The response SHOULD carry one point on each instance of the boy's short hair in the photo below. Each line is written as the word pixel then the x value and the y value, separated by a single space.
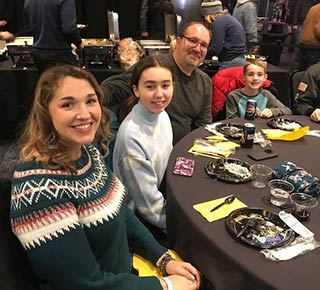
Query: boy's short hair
pixel 257 62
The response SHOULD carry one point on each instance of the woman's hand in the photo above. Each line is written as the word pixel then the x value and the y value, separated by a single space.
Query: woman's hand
pixel 179 283
pixel 184 269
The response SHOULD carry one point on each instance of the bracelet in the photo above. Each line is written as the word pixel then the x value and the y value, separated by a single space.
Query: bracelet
pixel 163 262
pixel 168 282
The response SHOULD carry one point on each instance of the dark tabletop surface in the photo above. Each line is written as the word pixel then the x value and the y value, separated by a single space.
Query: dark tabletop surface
pixel 228 264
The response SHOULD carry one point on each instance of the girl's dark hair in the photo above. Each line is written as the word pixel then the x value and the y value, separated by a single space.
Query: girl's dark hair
pixel 140 67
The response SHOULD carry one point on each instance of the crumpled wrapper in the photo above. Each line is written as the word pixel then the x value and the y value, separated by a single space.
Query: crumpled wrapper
pixel 298 247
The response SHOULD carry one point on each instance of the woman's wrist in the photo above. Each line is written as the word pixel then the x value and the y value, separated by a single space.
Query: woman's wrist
pixel 166 283
pixel 163 262
pixel 163 283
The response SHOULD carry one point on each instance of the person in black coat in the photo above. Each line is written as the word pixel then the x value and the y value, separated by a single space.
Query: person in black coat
pixel 152 18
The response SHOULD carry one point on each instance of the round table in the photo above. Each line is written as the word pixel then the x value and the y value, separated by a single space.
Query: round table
pixel 226 263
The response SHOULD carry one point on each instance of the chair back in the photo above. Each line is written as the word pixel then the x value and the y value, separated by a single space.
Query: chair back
pixel 15 269
pixel 295 79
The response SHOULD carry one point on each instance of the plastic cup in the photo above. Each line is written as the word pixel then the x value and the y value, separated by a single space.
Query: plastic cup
pixel 280 191
pixel 262 175
pixel 302 203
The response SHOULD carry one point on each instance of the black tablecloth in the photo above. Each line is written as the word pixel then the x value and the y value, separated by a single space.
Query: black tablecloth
pixel 226 263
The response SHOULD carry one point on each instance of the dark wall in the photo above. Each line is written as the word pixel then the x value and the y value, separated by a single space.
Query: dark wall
pixel 94 13
pixel 12 12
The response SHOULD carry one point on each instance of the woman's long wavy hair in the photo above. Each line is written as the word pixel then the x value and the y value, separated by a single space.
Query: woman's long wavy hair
pixel 141 66
pixel 39 140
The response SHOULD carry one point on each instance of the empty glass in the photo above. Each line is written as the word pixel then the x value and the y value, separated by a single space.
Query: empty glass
pixel 262 175
pixel 302 202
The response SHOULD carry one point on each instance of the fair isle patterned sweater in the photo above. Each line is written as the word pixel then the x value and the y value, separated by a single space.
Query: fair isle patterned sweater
pixel 77 229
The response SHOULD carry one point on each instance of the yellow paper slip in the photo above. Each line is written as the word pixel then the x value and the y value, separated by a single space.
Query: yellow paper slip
pixel 223 149
pixel 278 134
pixel 205 207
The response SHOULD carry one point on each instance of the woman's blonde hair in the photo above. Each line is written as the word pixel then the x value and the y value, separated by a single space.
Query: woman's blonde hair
pixel 39 141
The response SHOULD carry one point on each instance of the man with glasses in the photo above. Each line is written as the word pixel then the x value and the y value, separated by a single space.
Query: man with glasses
pixel 190 107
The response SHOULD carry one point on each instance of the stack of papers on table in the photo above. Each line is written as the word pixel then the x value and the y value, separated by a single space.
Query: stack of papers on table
pixel 214 147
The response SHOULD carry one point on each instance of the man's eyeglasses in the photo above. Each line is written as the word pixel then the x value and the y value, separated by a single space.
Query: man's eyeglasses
pixel 195 42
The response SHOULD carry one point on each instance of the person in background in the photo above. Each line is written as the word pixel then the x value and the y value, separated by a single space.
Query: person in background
pixel 279 11
pixel 300 11
pixel 12 19
pixel 228 38
pixel 53 26
pixel 307 51
pixel 229 5
pixel 191 106
pixel 307 100
pixel 152 23
pixel 254 75
pixel 5 35
pixel 246 13
pixel 67 208
pixel 144 142
pixel 291 6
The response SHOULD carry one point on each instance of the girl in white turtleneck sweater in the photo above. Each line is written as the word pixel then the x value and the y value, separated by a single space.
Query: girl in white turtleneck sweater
pixel 144 140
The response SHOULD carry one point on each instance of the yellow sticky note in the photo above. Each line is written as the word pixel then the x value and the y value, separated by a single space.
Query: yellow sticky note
pixel 204 208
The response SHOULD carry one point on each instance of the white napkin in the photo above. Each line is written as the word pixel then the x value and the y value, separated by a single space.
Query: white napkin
pixel 298 247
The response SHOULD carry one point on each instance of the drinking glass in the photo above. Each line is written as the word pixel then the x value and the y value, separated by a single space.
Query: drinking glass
pixel 262 175
pixel 302 203
pixel 280 191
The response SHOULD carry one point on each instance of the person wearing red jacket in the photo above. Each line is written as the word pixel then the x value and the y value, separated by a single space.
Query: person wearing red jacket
pixel 224 82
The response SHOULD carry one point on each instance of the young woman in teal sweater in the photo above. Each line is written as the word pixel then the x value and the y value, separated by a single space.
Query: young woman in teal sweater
pixel 68 209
